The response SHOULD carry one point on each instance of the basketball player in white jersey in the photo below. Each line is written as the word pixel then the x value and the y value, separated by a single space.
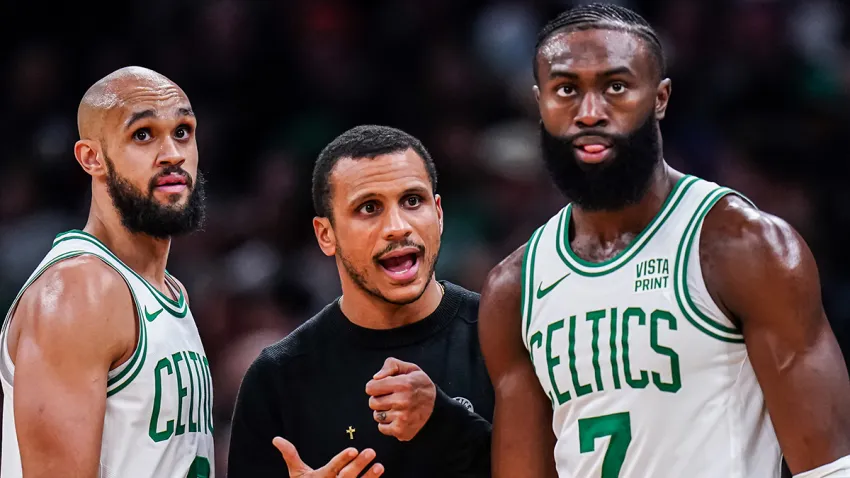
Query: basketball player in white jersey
pixel 660 325
pixel 103 371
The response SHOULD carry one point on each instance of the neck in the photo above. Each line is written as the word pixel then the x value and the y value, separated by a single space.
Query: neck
pixel 608 226
pixel 368 311
pixel 144 254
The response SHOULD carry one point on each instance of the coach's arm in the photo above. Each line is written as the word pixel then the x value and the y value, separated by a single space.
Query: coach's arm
pixel 70 327
pixel 762 273
pixel 523 442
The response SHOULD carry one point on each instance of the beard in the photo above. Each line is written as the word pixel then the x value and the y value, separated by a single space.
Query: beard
pixel 359 277
pixel 619 181
pixel 142 214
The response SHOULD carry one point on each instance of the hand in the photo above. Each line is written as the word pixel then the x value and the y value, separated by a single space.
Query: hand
pixel 347 464
pixel 402 396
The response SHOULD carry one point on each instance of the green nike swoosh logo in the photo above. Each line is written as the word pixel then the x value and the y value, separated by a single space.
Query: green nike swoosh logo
pixel 541 292
pixel 150 317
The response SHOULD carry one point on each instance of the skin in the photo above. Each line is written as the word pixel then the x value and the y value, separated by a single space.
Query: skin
pixel 376 203
pixel 756 267
pixel 60 379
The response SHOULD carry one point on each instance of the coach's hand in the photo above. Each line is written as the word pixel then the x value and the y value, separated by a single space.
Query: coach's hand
pixel 347 464
pixel 402 397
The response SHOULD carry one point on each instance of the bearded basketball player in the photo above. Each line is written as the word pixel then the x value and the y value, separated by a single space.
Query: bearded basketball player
pixel 103 371
pixel 660 324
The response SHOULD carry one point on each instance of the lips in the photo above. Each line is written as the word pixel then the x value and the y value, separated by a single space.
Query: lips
pixel 171 180
pixel 592 149
pixel 401 264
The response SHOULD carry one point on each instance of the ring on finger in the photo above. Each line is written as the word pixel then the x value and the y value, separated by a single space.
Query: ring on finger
pixel 382 416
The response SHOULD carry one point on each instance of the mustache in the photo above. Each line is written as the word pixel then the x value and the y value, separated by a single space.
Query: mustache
pixel 398 245
pixel 612 138
pixel 169 170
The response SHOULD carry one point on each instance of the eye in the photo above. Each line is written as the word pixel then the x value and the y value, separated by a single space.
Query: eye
pixel 412 201
pixel 142 134
pixel 565 90
pixel 617 87
pixel 369 208
pixel 182 132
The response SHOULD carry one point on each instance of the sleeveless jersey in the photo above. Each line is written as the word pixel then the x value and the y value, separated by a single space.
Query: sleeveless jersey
pixel 158 420
pixel 646 375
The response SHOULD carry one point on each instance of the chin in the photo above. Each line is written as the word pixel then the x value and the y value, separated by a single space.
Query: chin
pixel 405 293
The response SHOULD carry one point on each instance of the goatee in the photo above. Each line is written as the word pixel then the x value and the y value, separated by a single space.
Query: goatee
pixel 618 181
pixel 141 213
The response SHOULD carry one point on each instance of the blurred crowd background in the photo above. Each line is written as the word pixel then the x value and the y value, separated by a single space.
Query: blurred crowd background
pixel 760 103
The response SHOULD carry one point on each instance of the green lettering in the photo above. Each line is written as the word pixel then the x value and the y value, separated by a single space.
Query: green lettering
pixel 193 426
pixel 650 266
pixel 645 284
pixel 644 377
pixel 676 383
pixel 637 285
pixel 665 266
pixel 580 389
pixel 615 369
pixel 157 404
pixel 595 316
pixel 553 361
pixel 656 283
pixel 664 282
pixel 181 393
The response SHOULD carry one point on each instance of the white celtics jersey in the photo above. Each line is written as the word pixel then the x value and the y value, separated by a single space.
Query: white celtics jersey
pixel 647 377
pixel 158 419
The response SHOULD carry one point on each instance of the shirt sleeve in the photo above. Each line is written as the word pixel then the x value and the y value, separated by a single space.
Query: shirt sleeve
pixel 458 436
pixel 256 421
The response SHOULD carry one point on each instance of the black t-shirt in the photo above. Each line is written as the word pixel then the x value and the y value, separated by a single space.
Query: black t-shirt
pixel 310 389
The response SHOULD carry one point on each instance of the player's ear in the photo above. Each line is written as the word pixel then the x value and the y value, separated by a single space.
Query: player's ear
pixel 662 97
pixel 325 235
pixel 536 91
pixel 439 201
pixel 89 155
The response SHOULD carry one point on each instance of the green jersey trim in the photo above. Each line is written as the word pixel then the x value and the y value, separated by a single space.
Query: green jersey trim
pixel 594 269
pixel 692 313
pixel 177 308
pixel 527 285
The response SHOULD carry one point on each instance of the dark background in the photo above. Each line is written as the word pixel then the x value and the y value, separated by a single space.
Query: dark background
pixel 760 103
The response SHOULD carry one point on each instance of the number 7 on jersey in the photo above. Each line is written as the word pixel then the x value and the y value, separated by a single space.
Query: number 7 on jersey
pixel 618 427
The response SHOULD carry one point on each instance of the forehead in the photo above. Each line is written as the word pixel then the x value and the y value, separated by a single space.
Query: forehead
pixel 385 174
pixel 597 48
pixel 162 97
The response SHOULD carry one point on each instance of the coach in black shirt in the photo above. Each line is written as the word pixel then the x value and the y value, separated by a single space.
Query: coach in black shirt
pixel 388 380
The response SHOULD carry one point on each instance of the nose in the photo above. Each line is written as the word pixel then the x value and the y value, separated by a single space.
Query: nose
pixel 170 153
pixel 396 226
pixel 591 112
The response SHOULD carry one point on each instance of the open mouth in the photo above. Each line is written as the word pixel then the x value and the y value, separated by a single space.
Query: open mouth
pixel 401 264
pixel 592 149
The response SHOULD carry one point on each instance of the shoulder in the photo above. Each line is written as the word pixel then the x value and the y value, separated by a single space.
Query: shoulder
pixel 505 277
pixel 300 341
pixel 736 231
pixel 749 255
pixel 80 297
pixel 467 301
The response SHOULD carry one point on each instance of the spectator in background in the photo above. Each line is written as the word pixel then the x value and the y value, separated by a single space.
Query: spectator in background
pixel 395 348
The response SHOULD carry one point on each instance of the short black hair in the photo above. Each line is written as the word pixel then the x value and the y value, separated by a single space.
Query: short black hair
pixel 603 16
pixel 364 141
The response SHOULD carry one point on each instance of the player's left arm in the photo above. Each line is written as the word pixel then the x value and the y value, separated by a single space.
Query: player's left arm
pixel 761 272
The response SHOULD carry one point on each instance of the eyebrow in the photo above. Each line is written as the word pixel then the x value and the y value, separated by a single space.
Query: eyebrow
pixel 558 73
pixel 362 198
pixel 149 113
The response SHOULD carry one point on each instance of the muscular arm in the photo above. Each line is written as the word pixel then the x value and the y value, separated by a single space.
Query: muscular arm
pixel 523 442
pixel 762 272
pixel 69 328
